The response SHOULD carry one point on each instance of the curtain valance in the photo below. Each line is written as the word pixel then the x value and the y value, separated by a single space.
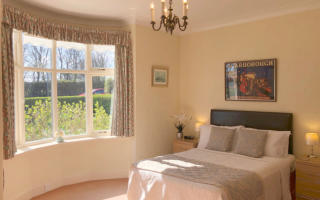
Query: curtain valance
pixel 24 21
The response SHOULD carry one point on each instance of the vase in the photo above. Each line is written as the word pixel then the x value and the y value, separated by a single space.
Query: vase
pixel 60 139
pixel 179 135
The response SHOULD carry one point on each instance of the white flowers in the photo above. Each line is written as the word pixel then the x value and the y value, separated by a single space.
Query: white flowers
pixel 59 133
pixel 181 120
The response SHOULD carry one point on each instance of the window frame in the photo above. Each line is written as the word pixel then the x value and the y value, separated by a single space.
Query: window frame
pixel 89 72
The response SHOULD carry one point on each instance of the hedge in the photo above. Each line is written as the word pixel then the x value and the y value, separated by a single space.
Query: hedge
pixel 65 88
pixel 103 100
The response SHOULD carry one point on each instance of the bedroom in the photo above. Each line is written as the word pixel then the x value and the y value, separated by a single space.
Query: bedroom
pixel 285 30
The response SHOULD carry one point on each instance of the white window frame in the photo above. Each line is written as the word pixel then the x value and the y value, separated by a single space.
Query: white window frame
pixel 89 72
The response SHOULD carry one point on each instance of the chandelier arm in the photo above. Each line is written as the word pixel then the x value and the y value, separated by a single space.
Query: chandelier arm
pixel 176 21
pixel 182 27
pixel 154 23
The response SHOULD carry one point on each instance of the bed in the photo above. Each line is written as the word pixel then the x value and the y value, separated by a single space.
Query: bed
pixel 188 175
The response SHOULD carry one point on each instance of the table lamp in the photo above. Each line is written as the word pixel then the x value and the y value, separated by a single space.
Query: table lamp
pixel 311 140
pixel 197 128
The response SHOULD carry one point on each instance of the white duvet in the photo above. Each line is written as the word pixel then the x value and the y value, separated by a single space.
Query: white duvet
pixel 275 174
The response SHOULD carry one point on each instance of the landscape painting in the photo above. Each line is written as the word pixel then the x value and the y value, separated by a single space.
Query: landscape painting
pixel 159 76
pixel 250 80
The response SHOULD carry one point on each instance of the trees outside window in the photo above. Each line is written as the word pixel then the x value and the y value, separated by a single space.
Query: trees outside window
pixel 66 87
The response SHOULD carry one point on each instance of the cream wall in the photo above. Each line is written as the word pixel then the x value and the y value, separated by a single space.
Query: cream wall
pixel 154 106
pixel 37 171
pixel 292 39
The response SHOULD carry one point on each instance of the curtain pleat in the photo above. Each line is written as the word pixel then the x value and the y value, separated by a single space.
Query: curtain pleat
pixel 43 27
pixel 122 112
pixel 122 109
pixel 9 146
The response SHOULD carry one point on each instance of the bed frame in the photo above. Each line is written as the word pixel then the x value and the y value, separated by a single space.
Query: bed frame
pixel 258 120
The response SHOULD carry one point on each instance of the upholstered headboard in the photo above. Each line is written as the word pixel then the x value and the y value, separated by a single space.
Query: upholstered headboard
pixel 253 119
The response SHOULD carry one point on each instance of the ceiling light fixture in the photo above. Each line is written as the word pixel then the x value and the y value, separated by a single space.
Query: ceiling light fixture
pixel 168 19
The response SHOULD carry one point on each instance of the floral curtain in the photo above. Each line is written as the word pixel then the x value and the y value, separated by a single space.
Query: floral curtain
pixel 9 147
pixel 122 116
pixel 14 18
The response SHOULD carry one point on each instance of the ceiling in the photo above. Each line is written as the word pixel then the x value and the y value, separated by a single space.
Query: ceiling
pixel 203 14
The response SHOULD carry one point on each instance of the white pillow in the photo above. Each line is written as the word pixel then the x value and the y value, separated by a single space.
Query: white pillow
pixel 277 143
pixel 205 132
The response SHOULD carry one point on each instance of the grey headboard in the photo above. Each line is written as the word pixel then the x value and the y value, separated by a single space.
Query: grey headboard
pixel 252 119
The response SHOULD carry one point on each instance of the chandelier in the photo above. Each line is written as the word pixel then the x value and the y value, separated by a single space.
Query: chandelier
pixel 168 19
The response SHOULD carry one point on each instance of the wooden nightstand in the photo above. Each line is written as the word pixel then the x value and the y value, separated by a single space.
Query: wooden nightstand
pixel 184 145
pixel 308 178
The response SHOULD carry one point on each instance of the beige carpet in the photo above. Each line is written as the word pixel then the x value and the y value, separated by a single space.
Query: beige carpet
pixel 95 190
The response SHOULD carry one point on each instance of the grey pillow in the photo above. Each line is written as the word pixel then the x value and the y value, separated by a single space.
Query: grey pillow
pixel 220 139
pixel 251 142
pixel 235 139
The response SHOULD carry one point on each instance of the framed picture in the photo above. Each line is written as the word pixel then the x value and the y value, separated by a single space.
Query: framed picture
pixel 253 80
pixel 160 76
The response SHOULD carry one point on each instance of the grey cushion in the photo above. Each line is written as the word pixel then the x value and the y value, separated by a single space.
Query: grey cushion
pixel 251 142
pixel 220 139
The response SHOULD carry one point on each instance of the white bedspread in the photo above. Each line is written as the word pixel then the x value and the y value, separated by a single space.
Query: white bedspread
pixel 275 173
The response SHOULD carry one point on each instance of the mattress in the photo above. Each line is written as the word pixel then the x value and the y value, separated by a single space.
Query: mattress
pixel 274 173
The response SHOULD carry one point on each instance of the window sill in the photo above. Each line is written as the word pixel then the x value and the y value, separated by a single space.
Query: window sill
pixel 50 143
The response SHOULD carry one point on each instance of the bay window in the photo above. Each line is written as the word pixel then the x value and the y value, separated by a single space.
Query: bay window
pixel 61 86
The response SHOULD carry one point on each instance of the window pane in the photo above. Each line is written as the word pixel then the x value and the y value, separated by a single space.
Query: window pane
pixel 102 98
pixel 72 103
pixel 103 56
pixel 71 56
pixel 38 109
pixel 36 52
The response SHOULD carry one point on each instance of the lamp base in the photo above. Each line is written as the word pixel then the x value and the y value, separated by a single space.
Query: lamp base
pixel 312 156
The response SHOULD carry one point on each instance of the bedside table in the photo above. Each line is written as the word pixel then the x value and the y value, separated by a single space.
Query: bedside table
pixel 184 145
pixel 308 178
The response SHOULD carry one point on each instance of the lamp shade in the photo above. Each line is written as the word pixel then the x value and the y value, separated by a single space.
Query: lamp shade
pixel 312 138
pixel 197 126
